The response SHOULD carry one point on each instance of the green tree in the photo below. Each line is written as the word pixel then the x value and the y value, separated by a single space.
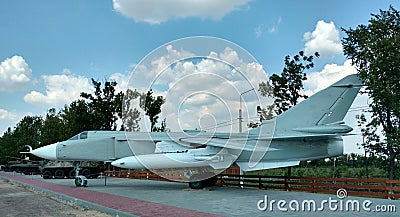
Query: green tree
pixel 130 115
pixel 7 146
pixel 77 117
pixel 53 128
pixel 287 88
pixel 152 106
pixel 105 105
pixel 375 51
pixel 371 139
pixel 26 132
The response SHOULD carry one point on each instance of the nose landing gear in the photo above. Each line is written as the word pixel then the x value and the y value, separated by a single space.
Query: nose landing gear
pixel 80 181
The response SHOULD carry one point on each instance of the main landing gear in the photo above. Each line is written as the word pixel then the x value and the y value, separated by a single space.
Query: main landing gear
pixel 202 180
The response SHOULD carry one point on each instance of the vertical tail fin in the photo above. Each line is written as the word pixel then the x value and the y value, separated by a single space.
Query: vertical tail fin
pixel 325 107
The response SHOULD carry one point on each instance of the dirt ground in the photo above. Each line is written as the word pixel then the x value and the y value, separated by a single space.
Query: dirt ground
pixel 18 201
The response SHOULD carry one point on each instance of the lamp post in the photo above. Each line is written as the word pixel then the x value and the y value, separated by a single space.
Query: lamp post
pixel 240 109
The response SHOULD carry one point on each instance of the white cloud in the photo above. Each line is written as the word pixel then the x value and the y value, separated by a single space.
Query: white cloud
pixel 201 91
pixel 15 74
pixel 274 28
pixel 163 62
pixel 260 29
pixel 155 12
pixel 60 89
pixel 331 73
pixel 325 39
pixel 122 81
pixel 7 115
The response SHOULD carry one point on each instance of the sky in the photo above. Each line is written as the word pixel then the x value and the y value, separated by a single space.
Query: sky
pixel 49 51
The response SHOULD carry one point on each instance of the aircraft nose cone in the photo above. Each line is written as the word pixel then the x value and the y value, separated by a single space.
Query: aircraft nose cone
pixel 47 152
pixel 119 163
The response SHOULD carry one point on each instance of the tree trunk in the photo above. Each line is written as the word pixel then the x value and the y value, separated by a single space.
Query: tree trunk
pixel 391 159
pixel 366 165
pixel 391 167
pixel 289 172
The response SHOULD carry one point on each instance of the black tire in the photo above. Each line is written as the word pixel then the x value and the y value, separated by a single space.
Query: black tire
pixel 87 173
pixel 71 174
pixel 196 185
pixel 211 181
pixel 80 181
pixel 199 181
pixel 196 182
pixel 47 174
pixel 59 174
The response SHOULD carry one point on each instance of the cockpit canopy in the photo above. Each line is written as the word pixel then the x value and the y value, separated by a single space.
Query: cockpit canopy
pixel 83 135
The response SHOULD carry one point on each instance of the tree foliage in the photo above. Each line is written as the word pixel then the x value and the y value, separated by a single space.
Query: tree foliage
pixel 52 129
pixel 375 51
pixel 7 148
pixel 152 106
pixel 77 117
pixel 105 105
pixel 27 132
pixel 130 114
pixel 286 89
pixel 371 139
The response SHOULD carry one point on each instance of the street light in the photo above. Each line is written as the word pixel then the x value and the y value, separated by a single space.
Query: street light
pixel 240 109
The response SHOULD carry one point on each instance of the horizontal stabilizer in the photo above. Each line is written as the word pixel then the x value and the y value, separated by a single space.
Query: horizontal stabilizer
pixel 331 129
pixel 29 150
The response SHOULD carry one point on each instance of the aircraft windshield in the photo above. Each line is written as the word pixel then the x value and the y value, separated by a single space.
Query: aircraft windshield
pixel 82 135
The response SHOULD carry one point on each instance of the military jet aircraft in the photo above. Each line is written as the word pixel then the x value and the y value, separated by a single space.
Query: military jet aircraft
pixel 312 129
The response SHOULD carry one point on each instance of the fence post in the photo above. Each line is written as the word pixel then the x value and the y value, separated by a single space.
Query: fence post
pixel 286 184
pixel 313 185
pixel 222 181
pixel 386 190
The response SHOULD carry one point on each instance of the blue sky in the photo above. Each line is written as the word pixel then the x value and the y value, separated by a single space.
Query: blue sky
pixel 49 50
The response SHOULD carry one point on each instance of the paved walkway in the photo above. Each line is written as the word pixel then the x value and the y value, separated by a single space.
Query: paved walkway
pixel 113 204
pixel 16 200
pixel 127 197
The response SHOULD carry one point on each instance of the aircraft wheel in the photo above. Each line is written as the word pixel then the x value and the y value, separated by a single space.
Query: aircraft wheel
pixel 80 181
pixel 196 185
pixel 59 174
pixel 196 182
